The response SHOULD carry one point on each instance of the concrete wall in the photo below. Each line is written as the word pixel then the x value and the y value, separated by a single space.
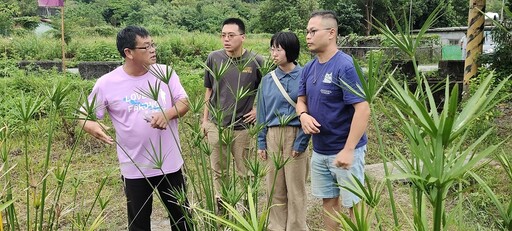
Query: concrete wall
pixel 92 70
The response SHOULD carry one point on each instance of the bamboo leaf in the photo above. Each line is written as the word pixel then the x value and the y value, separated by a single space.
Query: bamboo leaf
pixel 412 107
pixel 409 176
pixel 429 22
pixel 6 204
pixel 459 170
pixel 505 162
pixel 222 220
pixel 450 110
pixel 238 217
pixel 252 210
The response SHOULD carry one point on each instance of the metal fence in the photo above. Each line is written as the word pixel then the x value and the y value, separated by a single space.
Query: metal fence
pixel 424 55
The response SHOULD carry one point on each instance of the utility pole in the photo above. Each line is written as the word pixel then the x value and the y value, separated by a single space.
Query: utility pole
pixel 475 38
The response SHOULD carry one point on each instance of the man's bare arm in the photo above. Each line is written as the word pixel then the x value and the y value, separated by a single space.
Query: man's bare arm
pixel 97 130
pixel 345 157
pixel 308 123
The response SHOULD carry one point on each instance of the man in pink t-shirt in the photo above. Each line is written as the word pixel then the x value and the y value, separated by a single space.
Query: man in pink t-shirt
pixel 146 127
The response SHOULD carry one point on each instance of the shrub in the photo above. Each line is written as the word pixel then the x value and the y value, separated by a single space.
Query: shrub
pixel 188 47
pixel 102 31
pixel 35 83
pixel 31 47
pixel 6 22
pixel 174 46
pixel 8 67
pixel 97 50
pixel 500 60
pixel 192 81
pixel 27 22
pixel 160 30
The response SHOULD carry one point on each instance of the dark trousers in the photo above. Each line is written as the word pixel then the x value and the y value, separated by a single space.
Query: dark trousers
pixel 139 195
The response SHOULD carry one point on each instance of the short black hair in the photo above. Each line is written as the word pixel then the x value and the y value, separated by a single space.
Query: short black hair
pixel 325 14
pixel 289 42
pixel 237 21
pixel 127 36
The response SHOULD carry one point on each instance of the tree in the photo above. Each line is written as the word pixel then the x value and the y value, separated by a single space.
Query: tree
pixel 449 18
pixel 205 16
pixel 455 12
pixel 26 7
pixel 500 60
pixel 6 18
pixel 117 12
pixel 83 14
pixel 276 16
pixel 349 15
pixel 16 11
pixel 493 6
pixel 368 9
pixel 461 9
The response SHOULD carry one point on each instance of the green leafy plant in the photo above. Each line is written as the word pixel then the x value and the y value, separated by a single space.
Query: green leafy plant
pixel 57 97
pixel 437 141
pixel 404 40
pixel 5 175
pixel 25 110
pixel 241 223
pixel 371 197
pixel 360 222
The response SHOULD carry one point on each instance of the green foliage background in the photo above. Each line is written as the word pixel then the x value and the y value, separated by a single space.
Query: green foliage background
pixel 205 16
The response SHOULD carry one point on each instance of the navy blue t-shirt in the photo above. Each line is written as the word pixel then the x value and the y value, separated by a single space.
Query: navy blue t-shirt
pixel 329 102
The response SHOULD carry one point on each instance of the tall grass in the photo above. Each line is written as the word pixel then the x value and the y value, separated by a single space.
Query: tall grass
pixel 29 110
pixel 31 47
pixel 25 111
pixel 504 210
pixel 6 203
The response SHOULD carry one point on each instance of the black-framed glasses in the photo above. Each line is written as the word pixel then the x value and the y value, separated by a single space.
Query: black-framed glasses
pixel 147 47
pixel 313 32
pixel 229 35
pixel 275 49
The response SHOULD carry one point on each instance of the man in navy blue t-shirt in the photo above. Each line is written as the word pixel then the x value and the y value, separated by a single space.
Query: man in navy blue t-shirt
pixel 335 117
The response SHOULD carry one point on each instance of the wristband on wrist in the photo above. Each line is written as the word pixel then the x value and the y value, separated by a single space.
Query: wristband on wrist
pixel 304 112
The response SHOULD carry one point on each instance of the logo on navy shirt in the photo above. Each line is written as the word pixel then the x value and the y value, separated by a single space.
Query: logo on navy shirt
pixel 327 78
pixel 325 92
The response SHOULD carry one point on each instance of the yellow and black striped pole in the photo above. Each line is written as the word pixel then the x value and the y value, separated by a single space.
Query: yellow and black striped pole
pixel 475 38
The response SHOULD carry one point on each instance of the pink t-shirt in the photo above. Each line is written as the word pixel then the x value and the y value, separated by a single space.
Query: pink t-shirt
pixel 140 145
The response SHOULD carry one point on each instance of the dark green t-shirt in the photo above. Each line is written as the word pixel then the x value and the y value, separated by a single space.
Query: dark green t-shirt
pixel 224 88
